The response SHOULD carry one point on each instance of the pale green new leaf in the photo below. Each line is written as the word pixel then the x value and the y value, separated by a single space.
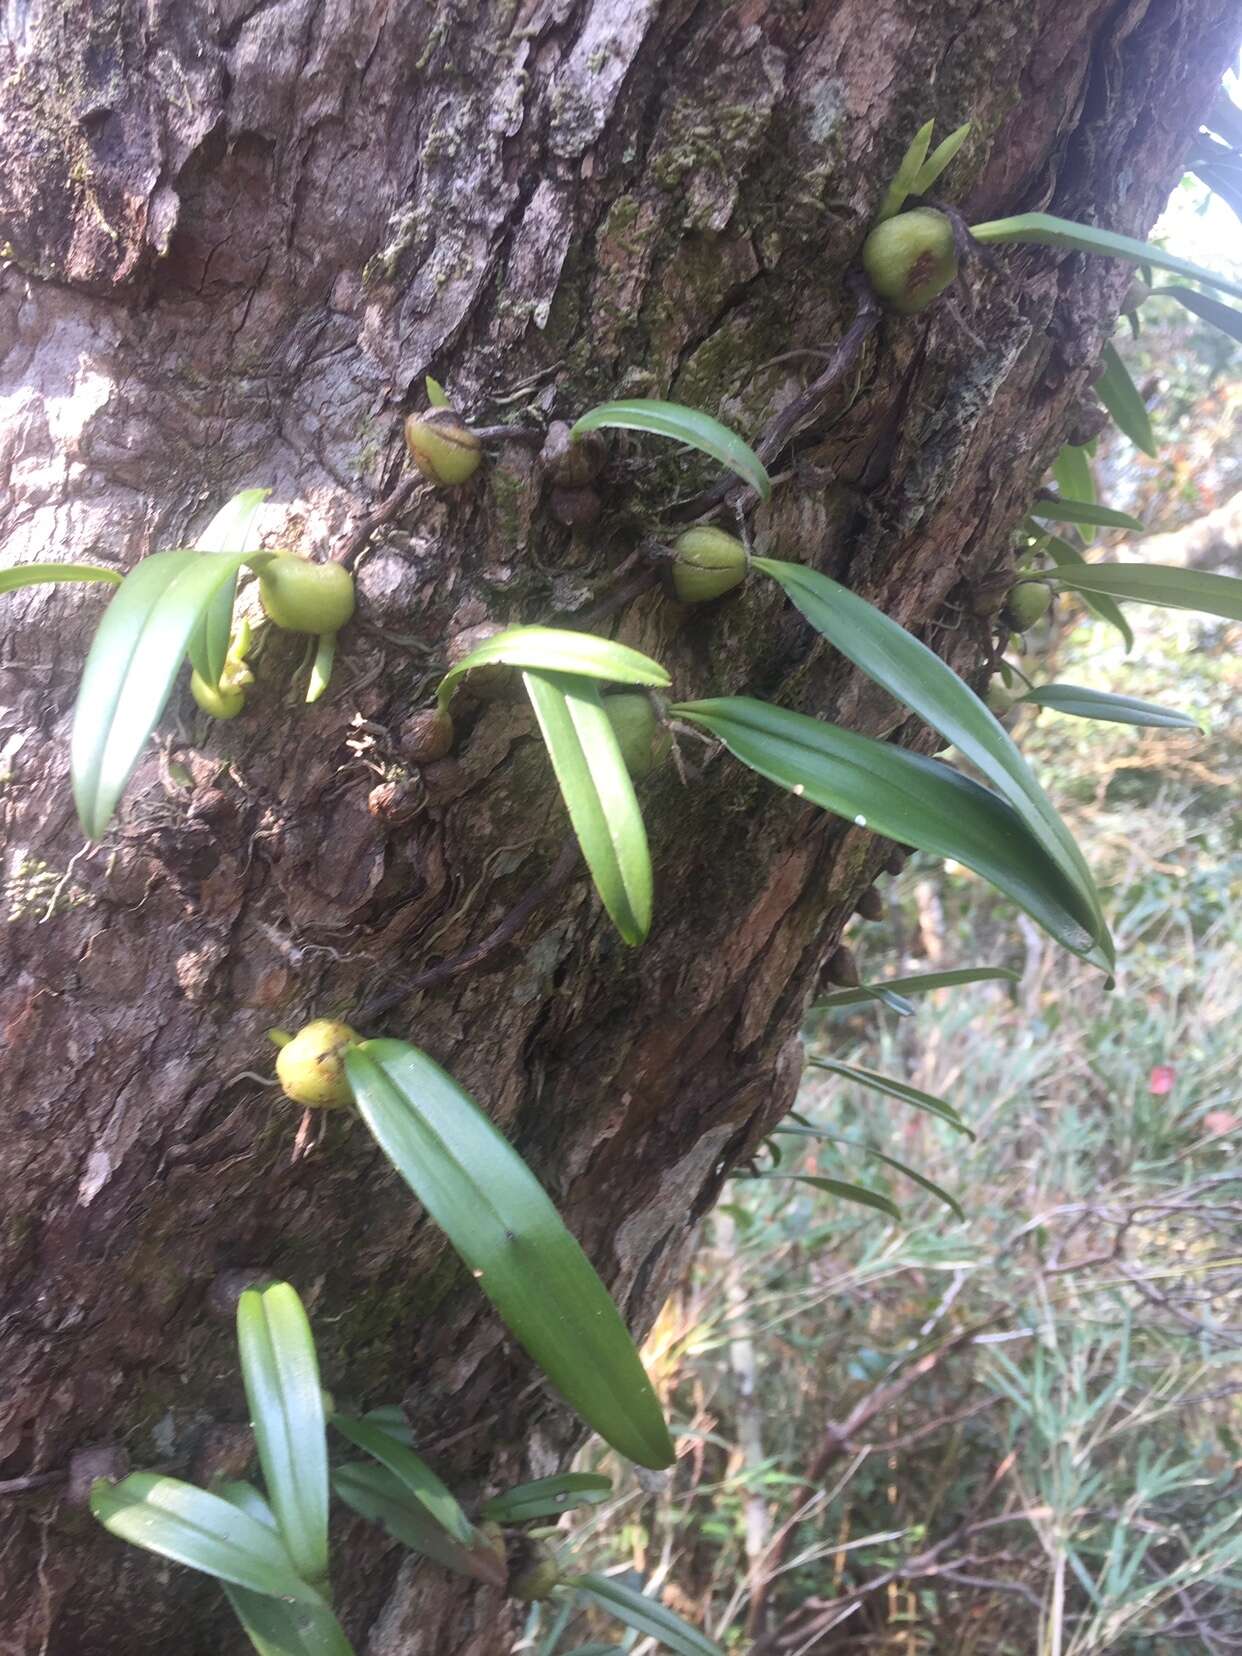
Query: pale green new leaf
pixel 129 673
pixel 230 531
pixel 1123 400
pixel 281 1376
pixel 1044 230
pixel 493 1210
pixel 645 1615
pixel 547 1497
pixel 921 984
pixel 1099 704
pixel 381 1497
pixel 840 1188
pixel 557 650
pixel 1071 471
pixel 201 1530
pixel 1063 552
pixel 905 797
pixel 321 666
pixel 893 1088
pixel 1085 511
pixel 918 678
pixel 906 178
pixel 42 574
pixel 418 1482
pixel 598 794
pixel 929 1185
pixel 1221 316
pixel 939 159
pixel 436 394
pixel 274 1627
pixel 1164 585
pixel 683 425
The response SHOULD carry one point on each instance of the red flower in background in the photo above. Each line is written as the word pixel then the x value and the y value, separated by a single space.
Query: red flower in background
pixel 1161 1080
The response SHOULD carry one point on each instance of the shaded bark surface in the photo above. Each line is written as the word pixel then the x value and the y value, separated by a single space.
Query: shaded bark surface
pixel 236 237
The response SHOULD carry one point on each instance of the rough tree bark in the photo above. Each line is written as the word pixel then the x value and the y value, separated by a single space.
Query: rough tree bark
pixel 236 235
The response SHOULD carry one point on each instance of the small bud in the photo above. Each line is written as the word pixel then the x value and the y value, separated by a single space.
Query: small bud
pixel 311 1069
pixel 395 803
pixel 895 862
pixel 306 597
pixel 870 906
pixel 842 968
pixel 709 563
pixel 643 740
pixel 910 258
pixel 1026 604
pixel 426 736
pixel 443 447
pixel 572 463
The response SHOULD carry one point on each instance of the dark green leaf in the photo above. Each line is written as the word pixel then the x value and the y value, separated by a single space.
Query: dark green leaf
pixel 684 425
pixel 839 1188
pixel 1123 400
pixel 547 1497
pixel 229 532
pixel 1165 586
pixel 922 984
pixel 193 1527
pixel 1099 704
pixel 918 678
pixel 900 1090
pixel 1064 552
pixel 1044 230
pixel 905 179
pixel 556 650
pixel 646 1615
pixel 495 1213
pixel 1221 316
pixel 381 1497
pixel 42 574
pixel 391 1418
pixel 281 1376
pixel 1084 511
pixel 416 1478
pixel 599 796
pixel 905 797
pixel 273 1627
pixel 939 159
pixel 129 673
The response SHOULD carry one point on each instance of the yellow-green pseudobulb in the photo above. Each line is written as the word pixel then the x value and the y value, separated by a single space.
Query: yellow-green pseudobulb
pixel 311 1067
pixel 708 564
pixel 306 597
pixel 910 259
pixel 1025 605
pixel 643 740
pixel 442 446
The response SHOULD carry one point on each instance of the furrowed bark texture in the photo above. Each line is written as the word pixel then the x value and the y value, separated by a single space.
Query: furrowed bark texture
pixel 236 237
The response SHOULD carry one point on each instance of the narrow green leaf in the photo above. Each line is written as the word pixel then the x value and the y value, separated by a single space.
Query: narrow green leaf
pixel 418 1482
pixel 273 1627
pixel 939 159
pixel 837 1187
pixel 42 574
pixel 1085 511
pixel 893 1088
pixel 556 650
pixel 598 795
pixel 918 678
pixel 391 1418
pixel 229 532
pixel 645 1615
pixel 1123 400
pixel 495 1213
pixel 922 984
pixel 905 179
pixel 129 673
pixel 1064 552
pixel 281 1376
pixel 683 425
pixel 1166 586
pixel 1073 475
pixel 321 667
pixel 436 394
pixel 547 1497
pixel 1044 230
pixel 379 1496
pixel 201 1530
pixel 895 1003
pixel 905 797
pixel 1221 316
pixel 929 1185
pixel 1099 704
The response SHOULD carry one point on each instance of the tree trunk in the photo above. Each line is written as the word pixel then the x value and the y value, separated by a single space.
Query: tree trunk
pixel 236 238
